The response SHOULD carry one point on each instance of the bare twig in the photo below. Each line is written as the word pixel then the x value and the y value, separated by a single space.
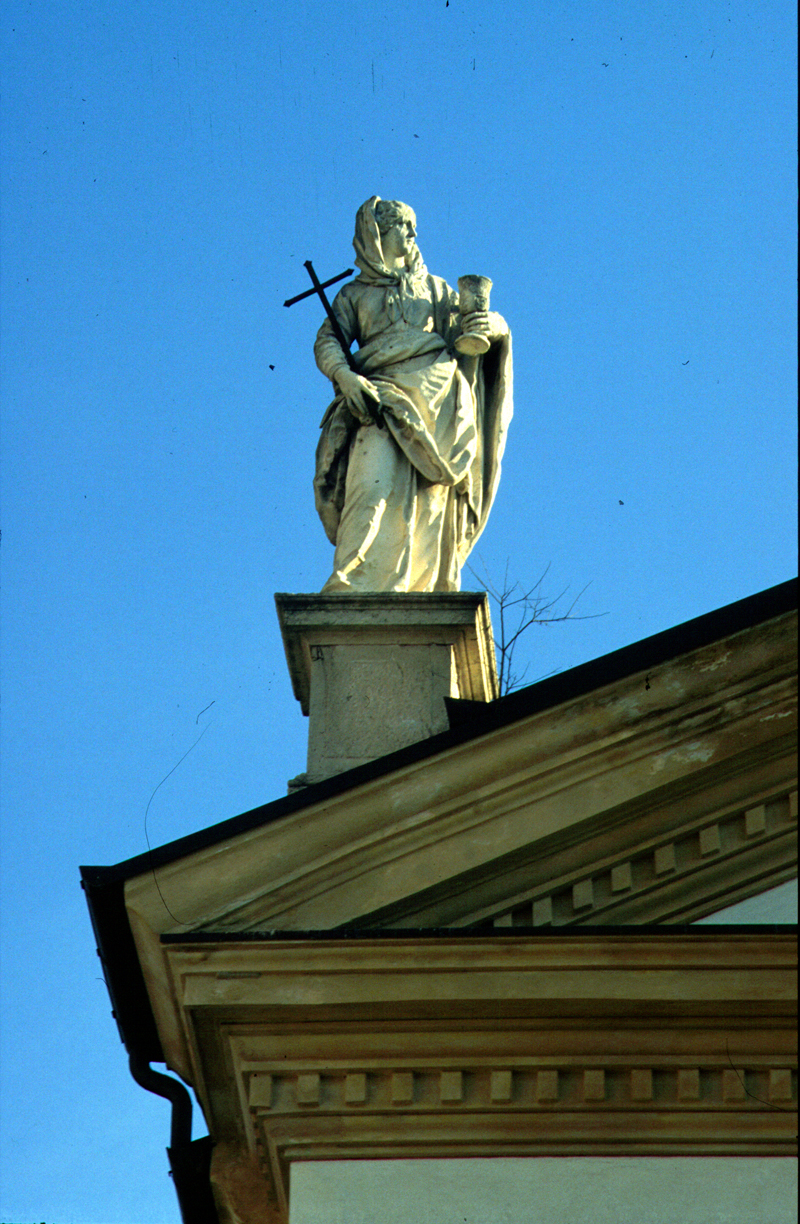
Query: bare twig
pixel 516 609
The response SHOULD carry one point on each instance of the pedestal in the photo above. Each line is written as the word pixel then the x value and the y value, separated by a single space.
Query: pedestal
pixel 372 671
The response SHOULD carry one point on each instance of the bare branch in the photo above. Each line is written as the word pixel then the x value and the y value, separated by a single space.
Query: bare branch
pixel 516 609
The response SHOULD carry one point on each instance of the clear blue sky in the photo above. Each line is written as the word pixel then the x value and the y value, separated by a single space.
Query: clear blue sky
pixel 625 174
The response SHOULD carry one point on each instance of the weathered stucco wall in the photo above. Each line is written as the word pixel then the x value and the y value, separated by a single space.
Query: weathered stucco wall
pixel 594 1190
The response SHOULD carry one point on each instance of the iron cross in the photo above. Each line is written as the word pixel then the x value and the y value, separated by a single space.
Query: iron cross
pixel 319 290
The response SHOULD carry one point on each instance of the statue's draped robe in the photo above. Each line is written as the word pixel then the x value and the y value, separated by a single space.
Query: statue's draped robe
pixel 405 504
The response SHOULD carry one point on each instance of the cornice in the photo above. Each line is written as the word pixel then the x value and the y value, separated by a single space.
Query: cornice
pixel 542 1045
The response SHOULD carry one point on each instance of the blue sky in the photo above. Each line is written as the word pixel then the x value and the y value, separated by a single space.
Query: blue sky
pixel 625 173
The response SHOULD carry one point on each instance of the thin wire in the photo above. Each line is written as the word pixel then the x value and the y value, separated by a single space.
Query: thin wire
pixel 780 1108
pixel 147 809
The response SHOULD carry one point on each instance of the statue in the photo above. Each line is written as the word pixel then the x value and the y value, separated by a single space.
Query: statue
pixel 409 458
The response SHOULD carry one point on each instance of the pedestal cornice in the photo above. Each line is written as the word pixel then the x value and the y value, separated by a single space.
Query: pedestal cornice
pixel 459 618
pixel 373 672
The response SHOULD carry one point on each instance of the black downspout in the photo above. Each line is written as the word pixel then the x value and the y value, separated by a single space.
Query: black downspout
pixel 190 1161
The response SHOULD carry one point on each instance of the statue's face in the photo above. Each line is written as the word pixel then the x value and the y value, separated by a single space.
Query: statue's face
pixel 398 242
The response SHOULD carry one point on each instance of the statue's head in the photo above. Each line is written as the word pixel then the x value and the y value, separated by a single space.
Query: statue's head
pixel 385 238
pixel 398 229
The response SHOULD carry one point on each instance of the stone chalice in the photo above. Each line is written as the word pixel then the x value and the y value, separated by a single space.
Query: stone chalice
pixel 473 294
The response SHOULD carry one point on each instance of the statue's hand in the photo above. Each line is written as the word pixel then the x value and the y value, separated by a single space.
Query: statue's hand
pixel 360 394
pixel 486 322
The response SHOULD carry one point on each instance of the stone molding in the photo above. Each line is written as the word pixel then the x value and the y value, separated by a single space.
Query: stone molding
pixel 667 879
pixel 587 1044
pixel 279 1089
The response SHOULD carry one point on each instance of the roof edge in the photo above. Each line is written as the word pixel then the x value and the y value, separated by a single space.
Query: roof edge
pixel 122 972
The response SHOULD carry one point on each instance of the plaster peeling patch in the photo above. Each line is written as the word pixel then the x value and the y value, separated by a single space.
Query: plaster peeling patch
pixel 720 662
pixel 697 752
pixel 686 755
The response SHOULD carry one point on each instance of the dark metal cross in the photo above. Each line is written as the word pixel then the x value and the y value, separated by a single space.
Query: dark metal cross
pixel 319 290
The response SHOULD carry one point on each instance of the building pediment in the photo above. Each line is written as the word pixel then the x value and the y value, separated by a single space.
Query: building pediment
pixel 662 796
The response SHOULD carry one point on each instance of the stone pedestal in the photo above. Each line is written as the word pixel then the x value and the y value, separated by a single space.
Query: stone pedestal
pixel 372 671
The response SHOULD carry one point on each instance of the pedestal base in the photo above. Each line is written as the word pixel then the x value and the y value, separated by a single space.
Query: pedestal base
pixel 372 671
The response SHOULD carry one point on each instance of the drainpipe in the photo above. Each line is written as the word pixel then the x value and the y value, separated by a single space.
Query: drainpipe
pixel 190 1161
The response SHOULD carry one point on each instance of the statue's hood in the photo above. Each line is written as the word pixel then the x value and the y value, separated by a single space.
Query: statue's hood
pixel 369 253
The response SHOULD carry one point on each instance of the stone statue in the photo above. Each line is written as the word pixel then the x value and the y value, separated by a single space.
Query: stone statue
pixel 409 458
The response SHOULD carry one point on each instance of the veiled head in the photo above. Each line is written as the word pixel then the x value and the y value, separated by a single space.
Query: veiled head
pixel 384 240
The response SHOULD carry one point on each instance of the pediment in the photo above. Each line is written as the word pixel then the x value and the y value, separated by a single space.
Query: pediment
pixel 662 797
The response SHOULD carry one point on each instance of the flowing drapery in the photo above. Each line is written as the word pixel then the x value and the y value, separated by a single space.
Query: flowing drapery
pixel 405 504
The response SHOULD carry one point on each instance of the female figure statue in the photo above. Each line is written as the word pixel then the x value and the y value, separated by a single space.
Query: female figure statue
pixel 404 503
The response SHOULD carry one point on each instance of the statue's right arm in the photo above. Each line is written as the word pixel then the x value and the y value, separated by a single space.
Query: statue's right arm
pixel 327 350
pixel 357 390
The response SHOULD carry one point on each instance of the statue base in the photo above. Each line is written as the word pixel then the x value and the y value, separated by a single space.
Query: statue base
pixel 372 671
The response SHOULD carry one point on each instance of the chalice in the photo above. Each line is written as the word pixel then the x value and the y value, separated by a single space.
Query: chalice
pixel 473 294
